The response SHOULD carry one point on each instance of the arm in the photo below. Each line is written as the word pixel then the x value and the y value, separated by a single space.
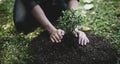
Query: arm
pixel 73 4
pixel 55 34
pixel 40 16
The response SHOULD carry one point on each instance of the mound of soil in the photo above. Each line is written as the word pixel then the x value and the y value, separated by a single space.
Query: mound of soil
pixel 98 51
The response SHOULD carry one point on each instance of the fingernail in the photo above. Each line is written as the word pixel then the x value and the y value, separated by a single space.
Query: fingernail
pixel 82 44
pixel 52 41
pixel 60 41
pixel 56 41
pixel 76 35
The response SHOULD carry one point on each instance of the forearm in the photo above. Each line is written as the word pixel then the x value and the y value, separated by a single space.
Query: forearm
pixel 73 4
pixel 41 17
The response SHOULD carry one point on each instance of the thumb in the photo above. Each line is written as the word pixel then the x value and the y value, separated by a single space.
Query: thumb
pixel 76 34
pixel 76 30
pixel 62 32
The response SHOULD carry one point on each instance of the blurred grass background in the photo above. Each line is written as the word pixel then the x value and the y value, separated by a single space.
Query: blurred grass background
pixel 105 17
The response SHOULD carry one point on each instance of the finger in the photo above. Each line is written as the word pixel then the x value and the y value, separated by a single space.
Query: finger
pixel 62 32
pixel 85 42
pixel 60 35
pixel 76 29
pixel 85 39
pixel 59 40
pixel 76 34
pixel 82 41
pixel 55 39
pixel 52 39
pixel 79 39
pixel 88 41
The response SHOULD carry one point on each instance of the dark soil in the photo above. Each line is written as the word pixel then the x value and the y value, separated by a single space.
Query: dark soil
pixel 118 16
pixel 98 51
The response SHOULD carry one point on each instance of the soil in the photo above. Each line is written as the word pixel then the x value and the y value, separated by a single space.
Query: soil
pixel 98 51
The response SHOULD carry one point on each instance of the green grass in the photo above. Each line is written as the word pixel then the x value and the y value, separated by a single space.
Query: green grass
pixel 101 19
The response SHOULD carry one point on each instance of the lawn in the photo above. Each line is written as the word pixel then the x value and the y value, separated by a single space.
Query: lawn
pixel 99 17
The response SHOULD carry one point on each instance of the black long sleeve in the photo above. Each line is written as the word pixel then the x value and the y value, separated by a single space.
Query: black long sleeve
pixel 68 1
pixel 29 4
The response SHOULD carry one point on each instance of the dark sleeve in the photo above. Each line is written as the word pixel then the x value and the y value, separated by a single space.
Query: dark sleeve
pixel 29 4
pixel 68 1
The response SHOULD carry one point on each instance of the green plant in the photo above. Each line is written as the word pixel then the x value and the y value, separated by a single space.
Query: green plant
pixel 102 20
pixel 68 21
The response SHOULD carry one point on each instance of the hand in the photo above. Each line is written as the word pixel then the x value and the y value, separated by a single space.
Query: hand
pixel 57 35
pixel 83 40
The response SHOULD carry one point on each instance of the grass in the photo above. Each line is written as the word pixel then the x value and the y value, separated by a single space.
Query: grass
pixel 101 19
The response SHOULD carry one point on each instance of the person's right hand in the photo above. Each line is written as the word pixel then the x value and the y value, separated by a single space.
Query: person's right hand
pixel 57 35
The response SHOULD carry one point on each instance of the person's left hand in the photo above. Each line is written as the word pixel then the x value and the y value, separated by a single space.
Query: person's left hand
pixel 83 40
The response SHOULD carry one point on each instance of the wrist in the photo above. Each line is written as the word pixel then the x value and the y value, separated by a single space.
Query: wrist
pixel 76 28
pixel 52 30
